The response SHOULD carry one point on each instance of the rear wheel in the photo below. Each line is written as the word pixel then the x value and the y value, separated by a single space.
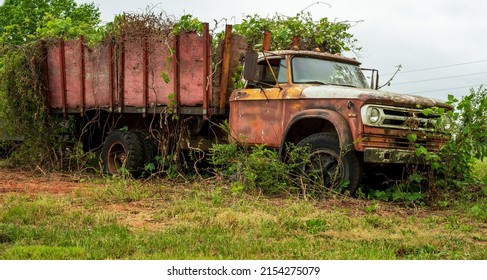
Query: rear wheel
pixel 329 166
pixel 123 150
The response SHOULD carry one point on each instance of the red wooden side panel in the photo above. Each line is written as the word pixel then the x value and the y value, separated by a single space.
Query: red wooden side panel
pixel 55 77
pixel 97 76
pixel 192 66
pixel 73 74
pixel 160 61
pixel 134 73
pixel 85 82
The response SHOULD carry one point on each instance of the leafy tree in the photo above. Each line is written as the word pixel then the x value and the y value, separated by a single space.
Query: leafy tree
pixel 22 21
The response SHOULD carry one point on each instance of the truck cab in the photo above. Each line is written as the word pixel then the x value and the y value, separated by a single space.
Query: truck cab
pixel 323 101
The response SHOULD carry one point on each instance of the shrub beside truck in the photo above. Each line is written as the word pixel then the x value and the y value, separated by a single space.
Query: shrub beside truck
pixel 130 88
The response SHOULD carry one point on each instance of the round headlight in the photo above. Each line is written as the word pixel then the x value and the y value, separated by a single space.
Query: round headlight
pixel 374 115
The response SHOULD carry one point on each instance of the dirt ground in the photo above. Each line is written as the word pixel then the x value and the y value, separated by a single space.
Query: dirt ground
pixel 35 182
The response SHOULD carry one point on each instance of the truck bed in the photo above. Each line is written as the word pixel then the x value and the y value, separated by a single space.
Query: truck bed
pixel 133 75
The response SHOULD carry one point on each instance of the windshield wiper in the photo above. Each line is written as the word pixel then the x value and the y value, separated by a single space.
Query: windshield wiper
pixel 328 84
pixel 342 85
pixel 314 82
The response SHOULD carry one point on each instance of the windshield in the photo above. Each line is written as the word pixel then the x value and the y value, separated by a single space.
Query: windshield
pixel 313 70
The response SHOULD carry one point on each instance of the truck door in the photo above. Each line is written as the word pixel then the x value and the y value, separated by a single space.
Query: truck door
pixel 256 111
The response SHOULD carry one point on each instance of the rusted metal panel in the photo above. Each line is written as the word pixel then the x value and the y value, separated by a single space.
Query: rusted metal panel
pixel 238 48
pixel 73 73
pixel 176 71
pixel 191 68
pixel 145 65
pixel 225 66
pixel 206 90
pixel 267 41
pixel 133 73
pixel 54 76
pixel 82 82
pixel 161 60
pixel 112 75
pixel 257 122
pixel 57 75
pixel 99 76
pixel 45 72
pixel 128 72
pixel 119 100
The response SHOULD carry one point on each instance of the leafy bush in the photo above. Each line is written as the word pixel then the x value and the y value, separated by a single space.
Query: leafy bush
pixel 251 168
pixel 259 168
pixel 467 125
pixel 451 172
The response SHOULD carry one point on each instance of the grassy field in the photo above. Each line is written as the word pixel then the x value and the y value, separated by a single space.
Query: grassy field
pixel 106 218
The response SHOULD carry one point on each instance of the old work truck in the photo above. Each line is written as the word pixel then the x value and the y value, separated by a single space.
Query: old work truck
pixel 309 98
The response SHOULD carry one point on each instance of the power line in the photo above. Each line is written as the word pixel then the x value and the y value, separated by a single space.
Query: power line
pixel 442 78
pixel 444 89
pixel 438 67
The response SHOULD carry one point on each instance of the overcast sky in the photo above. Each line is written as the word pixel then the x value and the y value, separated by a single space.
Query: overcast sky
pixel 416 34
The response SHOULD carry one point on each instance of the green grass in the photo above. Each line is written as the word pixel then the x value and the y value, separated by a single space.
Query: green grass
pixel 480 170
pixel 124 219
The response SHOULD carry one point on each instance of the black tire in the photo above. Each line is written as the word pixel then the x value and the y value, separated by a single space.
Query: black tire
pixel 338 171
pixel 150 151
pixel 123 149
pixel 149 145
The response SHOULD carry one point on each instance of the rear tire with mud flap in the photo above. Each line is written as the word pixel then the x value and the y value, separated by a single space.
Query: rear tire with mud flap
pixel 123 149
pixel 335 169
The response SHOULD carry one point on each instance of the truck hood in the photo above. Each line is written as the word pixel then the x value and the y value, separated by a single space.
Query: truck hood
pixel 370 96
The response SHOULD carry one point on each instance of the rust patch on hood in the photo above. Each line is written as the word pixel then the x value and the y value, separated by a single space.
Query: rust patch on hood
pixel 373 97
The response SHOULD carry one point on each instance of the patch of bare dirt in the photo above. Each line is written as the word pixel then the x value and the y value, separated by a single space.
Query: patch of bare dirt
pixel 33 183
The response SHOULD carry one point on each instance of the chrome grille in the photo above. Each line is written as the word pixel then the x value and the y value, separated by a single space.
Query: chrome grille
pixel 399 118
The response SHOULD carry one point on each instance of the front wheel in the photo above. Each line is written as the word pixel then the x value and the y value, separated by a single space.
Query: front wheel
pixel 333 168
pixel 123 150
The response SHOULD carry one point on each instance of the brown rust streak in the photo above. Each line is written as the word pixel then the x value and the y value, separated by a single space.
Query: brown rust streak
pixel 225 66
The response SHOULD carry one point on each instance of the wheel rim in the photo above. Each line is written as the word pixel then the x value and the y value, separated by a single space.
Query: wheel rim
pixel 326 166
pixel 117 157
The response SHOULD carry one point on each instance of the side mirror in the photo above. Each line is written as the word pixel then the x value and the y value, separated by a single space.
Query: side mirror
pixel 250 66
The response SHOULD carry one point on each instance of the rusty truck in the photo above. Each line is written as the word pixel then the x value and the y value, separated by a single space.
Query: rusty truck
pixel 125 88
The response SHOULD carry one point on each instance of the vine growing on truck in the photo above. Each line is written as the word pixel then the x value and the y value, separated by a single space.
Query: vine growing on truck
pixel 326 35
pixel 48 141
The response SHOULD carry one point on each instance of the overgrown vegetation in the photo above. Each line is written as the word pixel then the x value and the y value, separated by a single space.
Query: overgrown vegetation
pixel 125 219
pixel 252 169
pixel 328 36
pixel 48 142
pixel 454 172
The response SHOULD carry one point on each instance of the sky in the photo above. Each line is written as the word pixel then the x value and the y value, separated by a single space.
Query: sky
pixel 446 37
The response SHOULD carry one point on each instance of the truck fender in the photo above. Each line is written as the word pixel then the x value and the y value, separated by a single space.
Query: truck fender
pixel 336 119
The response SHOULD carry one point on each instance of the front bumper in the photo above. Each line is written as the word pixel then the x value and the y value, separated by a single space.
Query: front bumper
pixel 381 155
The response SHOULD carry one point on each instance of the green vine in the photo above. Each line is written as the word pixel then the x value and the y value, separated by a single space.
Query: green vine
pixel 328 36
